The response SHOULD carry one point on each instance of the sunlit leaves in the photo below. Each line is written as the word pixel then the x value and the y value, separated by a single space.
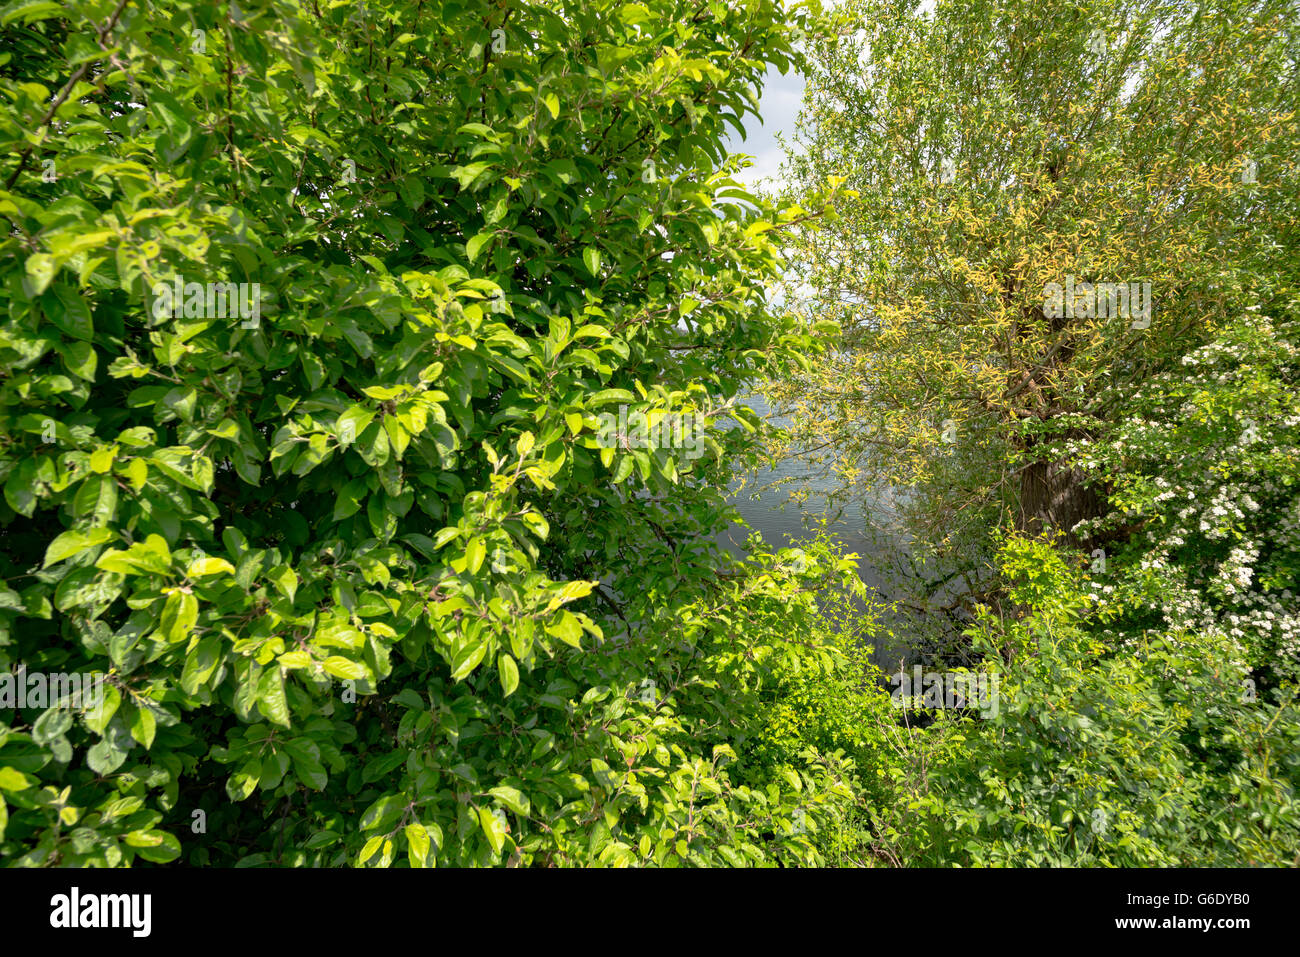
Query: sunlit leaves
pixel 274 529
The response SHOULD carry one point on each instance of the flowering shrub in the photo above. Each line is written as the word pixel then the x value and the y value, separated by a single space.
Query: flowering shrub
pixel 1204 468
pixel 1150 712
pixel 1145 755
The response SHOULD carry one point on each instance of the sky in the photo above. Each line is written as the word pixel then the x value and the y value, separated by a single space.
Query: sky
pixel 782 96
pixel 779 104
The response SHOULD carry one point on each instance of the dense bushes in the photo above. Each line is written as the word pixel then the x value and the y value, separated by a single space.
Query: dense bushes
pixel 365 585
pixel 1149 711
pixel 1096 505
pixel 314 324
pixel 1148 755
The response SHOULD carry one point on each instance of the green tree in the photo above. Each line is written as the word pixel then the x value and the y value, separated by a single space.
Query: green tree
pixel 365 580
pixel 974 159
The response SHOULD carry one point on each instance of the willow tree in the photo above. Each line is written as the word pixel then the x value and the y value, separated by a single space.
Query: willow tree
pixel 998 166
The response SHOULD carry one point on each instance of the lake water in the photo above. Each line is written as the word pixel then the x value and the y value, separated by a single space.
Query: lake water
pixel 784 523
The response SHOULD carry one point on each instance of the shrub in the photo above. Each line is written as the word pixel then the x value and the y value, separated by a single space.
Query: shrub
pixel 1148 755
pixel 365 586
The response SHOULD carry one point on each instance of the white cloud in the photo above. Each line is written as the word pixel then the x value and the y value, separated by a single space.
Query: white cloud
pixel 778 107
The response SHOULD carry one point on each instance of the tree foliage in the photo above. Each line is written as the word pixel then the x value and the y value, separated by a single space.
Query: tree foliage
pixel 1145 642
pixel 313 321
pixel 984 153
pixel 364 584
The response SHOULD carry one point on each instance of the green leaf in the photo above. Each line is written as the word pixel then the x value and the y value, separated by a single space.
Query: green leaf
pixel 352 423
pixel 285 580
pixel 412 192
pixel 29 11
pixel 243 782
pixel 69 312
pixel 475 245
pixel 166 848
pixel 210 566
pixel 40 269
pixel 567 629
pixel 606 396
pixel 20 489
pixel 467 660
pixel 371 848
pixel 97 718
pixel 512 798
pixel 341 667
pixel 14 780
pixel 270 697
pixel 624 468
pixel 150 557
pixel 200 663
pixel 103 758
pixel 81 359
pixel 509 674
pixel 180 612
pixel 417 844
pixel 591 257
pixel 465 175
pixel 51 724
pixel 382 812
pixel 74 542
pixel 306 763
pixel 144 726
pixel 493 829
pixel 474 553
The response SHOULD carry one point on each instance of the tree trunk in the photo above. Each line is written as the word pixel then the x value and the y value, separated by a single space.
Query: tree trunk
pixel 1054 495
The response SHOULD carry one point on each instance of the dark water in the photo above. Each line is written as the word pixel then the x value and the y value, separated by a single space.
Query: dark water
pixel 767 507
pixel 784 523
